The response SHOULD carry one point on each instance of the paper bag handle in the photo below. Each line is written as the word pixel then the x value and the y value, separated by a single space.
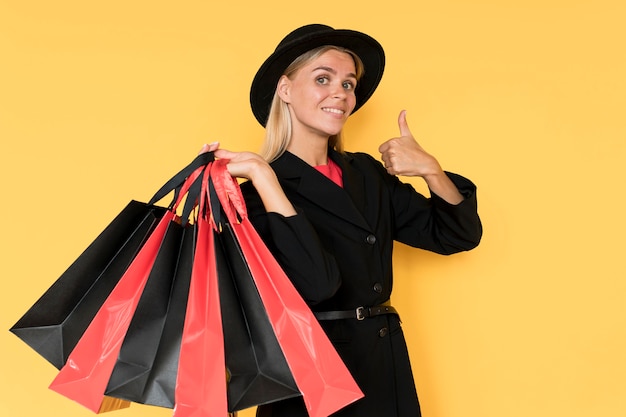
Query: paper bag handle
pixel 175 183
pixel 227 190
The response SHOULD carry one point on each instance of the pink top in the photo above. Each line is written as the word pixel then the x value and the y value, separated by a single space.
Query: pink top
pixel 332 172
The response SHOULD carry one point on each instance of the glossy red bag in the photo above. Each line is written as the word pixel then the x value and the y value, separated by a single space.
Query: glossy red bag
pixel 201 381
pixel 322 377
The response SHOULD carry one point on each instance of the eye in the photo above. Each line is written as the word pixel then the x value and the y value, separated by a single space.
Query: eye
pixel 322 80
pixel 348 85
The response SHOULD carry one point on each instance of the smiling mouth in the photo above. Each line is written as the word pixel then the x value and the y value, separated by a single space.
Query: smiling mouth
pixel 334 111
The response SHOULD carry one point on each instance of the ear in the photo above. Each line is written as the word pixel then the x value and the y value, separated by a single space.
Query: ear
pixel 283 88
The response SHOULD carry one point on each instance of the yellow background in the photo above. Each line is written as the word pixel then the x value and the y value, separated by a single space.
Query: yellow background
pixel 100 102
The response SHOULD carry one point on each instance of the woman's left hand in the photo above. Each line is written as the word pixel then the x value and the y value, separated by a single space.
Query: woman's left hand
pixel 404 156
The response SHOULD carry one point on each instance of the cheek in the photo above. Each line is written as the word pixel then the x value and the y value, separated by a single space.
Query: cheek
pixel 352 102
pixel 317 94
pixel 307 96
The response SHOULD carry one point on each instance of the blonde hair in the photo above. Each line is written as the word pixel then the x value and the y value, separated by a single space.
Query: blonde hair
pixel 278 130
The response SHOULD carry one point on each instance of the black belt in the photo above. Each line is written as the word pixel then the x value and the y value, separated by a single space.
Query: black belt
pixel 359 313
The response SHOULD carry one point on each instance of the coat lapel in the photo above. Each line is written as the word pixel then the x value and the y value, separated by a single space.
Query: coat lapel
pixel 347 203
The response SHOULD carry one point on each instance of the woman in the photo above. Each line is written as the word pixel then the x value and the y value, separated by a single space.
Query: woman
pixel 330 217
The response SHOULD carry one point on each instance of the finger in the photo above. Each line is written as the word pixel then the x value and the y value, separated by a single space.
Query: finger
pixel 403 125
pixel 209 147
pixel 225 154
pixel 205 148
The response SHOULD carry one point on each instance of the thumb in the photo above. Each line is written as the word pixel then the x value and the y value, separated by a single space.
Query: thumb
pixel 403 125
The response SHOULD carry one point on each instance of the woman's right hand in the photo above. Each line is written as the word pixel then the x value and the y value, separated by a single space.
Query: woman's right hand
pixel 246 165
pixel 241 164
pixel 253 167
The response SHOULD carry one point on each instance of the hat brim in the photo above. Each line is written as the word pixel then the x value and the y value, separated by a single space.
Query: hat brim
pixel 364 46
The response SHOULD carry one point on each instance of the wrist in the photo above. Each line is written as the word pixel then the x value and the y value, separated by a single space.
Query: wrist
pixel 441 185
pixel 262 175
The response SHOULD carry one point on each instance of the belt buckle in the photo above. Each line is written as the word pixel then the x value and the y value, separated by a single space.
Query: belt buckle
pixel 360 313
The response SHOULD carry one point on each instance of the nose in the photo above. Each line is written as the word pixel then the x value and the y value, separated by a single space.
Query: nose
pixel 338 91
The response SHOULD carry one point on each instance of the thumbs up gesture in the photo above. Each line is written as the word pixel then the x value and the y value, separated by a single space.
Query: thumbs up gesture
pixel 404 156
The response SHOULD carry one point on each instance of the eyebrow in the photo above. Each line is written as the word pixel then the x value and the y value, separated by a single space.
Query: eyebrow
pixel 332 71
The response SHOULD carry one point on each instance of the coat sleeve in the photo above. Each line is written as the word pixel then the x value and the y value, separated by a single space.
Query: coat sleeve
pixel 432 223
pixel 297 248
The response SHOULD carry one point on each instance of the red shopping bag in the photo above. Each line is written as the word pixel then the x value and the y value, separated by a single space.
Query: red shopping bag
pixel 86 373
pixel 201 381
pixel 322 377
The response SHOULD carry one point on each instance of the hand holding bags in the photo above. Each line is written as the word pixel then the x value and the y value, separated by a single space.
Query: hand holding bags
pixel 201 317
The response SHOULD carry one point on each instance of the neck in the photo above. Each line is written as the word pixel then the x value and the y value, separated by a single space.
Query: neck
pixel 312 150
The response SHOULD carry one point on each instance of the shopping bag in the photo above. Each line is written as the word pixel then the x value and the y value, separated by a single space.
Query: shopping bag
pixel 85 376
pixel 55 323
pixel 322 377
pixel 146 367
pixel 201 381
pixel 257 370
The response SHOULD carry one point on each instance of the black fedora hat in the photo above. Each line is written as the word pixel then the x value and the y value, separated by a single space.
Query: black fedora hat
pixel 305 39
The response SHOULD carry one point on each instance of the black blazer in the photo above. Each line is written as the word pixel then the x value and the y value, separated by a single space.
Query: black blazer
pixel 338 253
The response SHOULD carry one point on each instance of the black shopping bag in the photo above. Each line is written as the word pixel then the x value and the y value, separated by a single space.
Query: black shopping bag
pixel 257 370
pixel 55 323
pixel 146 368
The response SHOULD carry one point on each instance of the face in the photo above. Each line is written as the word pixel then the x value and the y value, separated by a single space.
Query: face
pixel 320 95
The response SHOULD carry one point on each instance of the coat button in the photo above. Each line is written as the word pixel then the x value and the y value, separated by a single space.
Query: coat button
pixel 371 239
pixel 378 287
pixel 383 332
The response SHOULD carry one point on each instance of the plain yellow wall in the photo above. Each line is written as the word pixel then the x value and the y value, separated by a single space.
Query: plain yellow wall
pixel 100 102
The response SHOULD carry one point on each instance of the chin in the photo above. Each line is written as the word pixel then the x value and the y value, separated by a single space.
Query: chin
pixel 335 130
